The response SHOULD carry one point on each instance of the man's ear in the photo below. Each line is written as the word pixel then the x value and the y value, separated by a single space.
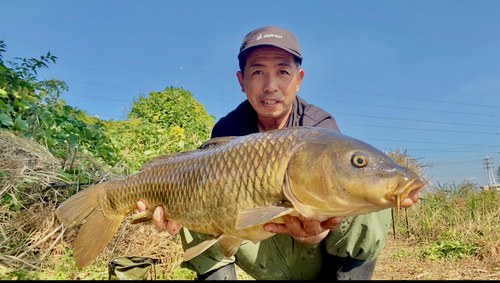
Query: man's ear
pixel 299 81
pixel 241 81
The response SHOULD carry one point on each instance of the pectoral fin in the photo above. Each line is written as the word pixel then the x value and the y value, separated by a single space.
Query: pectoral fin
pixel 255 216
pixel 198 249
pixel 229 245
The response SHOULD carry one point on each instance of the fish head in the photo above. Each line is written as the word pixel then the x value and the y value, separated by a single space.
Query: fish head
pixel 333 175
pixel 369 175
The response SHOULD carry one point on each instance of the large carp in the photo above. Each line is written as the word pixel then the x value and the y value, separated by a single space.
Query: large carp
pixel 231 186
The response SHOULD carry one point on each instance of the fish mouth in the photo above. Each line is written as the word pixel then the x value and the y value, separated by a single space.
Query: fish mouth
pixel 410 186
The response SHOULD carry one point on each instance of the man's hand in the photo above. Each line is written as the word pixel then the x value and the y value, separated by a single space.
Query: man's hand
pixel 411 199
pixel 307 231
pixel 159 219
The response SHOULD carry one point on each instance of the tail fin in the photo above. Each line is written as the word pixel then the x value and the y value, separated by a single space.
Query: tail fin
pixel 97 229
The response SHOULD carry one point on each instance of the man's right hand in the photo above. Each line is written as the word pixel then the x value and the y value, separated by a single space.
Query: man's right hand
pixel 159 219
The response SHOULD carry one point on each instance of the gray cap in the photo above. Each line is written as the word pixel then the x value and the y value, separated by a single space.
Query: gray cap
pixel 270 36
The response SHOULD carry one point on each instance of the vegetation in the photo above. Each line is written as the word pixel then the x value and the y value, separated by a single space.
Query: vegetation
pixel 451 233
pixel 453 221
pixel 34 108
pixel 164 122
pixel 49 150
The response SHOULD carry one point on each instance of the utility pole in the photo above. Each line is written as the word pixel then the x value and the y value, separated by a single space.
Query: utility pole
pixel 491 178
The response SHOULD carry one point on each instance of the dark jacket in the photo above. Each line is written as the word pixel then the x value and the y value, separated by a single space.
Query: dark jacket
pixel 243 120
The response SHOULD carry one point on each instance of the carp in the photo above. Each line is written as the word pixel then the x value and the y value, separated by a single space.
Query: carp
pixel 231 187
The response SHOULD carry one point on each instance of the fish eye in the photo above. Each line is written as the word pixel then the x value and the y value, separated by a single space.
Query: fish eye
pixel 359 160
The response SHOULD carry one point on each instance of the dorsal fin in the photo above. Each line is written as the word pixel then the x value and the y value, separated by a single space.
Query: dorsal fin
pixel 216 141
pixel 206 145
pixel 159 159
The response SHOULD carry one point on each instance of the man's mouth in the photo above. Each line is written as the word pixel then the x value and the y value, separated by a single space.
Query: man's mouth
pixel 269 102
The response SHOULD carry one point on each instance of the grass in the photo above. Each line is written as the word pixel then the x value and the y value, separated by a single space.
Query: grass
pixel 34 246
pixel 452 232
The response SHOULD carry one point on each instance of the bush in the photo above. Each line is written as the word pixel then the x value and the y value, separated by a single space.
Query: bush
pixel 33 108
pixel 161 123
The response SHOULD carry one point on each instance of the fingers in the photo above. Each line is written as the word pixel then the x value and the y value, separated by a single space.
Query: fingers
pixel 300 229
pixel 162 223
pixel 307 231
pixel 295 227
pixel 312 226
pixel 141 206
pixel 276 228
pixel 411 199
pixel 173 227
pixel 333 223
pixel 159 219
pixel 292 226
pixel 312 240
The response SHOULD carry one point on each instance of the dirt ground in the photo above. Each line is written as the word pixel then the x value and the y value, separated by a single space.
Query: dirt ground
pixel 399 261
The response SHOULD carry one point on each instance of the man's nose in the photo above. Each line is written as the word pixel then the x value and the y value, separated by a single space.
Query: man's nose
pixel 270 84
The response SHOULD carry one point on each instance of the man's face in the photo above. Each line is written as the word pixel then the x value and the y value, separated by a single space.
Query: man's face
pixel 271 81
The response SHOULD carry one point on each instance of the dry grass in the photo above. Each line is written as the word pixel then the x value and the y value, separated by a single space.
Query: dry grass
pixel 400 260
pixel 35 242
pixel 33 245
pixel 453 233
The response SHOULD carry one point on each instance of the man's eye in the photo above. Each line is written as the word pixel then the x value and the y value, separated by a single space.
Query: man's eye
pixel 283 72
pixel 258 72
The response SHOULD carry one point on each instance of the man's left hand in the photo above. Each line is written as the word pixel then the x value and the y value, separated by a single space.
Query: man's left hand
pixel 306 231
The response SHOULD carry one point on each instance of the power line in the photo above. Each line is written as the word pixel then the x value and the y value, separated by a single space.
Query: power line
pixel 224 74
pixel 111 86
pixel 97 97
pixel 413 120
pixel 318 99
pixel 144 77
pixel 424 142
pixel 419 129
pixel 402 97
pixel 408 108
pixel 122 58
pixel 337 113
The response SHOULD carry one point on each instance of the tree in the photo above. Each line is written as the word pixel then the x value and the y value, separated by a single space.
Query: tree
pixel 161 123
pixel 33 108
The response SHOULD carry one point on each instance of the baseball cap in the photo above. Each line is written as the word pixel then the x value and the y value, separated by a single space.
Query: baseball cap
pixel 270 36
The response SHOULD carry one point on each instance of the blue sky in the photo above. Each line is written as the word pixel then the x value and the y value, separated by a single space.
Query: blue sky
pixel 422 76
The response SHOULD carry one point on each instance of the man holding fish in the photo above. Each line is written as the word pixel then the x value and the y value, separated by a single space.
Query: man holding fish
pixel 270 75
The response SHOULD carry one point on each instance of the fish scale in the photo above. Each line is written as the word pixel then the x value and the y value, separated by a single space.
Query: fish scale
pixel 232 186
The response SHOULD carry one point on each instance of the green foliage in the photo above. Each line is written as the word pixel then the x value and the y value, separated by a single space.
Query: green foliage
pixel 38 128
pixel 34 108
pixel 162 123
pixel 64 269
pixel 433 222
pixel 181 274
pixel 449 246
pixel 175 107
pixel 445 249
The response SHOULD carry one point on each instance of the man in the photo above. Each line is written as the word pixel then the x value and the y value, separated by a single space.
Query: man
pixel 337 248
